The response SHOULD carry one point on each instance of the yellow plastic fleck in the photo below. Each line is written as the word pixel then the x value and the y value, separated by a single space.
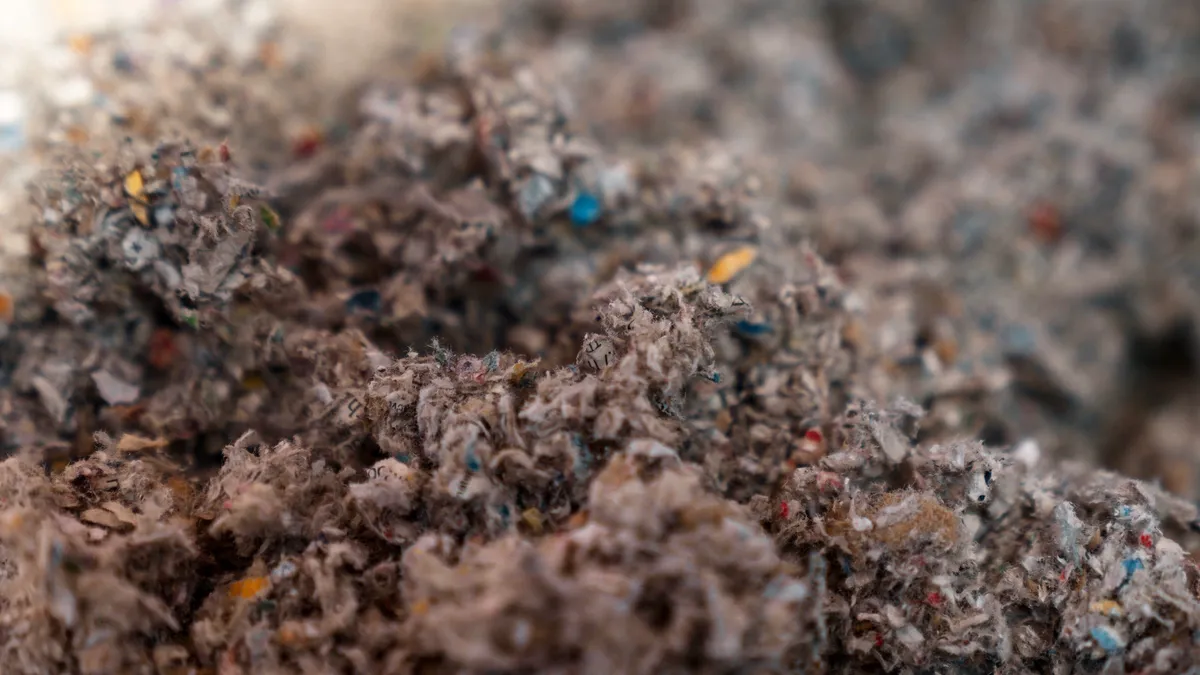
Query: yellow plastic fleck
pixel 519 371
pixel 253 382
pixel 1109 607
pixel 731 264
pixel 80 44
pixel 135 185
pixel 234 200
pixel 248 587
pixel 533 518
pixel 135 189
pixel 420 607
pixel 269 217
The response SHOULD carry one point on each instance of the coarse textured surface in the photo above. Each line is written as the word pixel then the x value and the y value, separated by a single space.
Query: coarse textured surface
pixel 588 340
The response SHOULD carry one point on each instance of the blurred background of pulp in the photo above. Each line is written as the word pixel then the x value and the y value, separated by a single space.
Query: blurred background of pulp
pixel 1010 185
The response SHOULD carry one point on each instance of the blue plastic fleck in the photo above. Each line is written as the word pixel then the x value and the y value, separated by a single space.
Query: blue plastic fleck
pixel 11 137
pixel 1132 565
pixel 472 462
pixel 749 328
pixel 122 62
pixel 583 458
pixel 491 361
pixel 971 227
pixel 585 210
pixel 1106 639
pixel 1019 339
pixel 369 301
pixel 403 458
pixel 338 131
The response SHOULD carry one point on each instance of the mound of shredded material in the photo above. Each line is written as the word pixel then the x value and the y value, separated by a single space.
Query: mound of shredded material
pixel 465 389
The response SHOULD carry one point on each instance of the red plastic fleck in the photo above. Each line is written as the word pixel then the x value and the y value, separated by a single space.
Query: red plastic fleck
pixel 224 150
pixel 338 222
pixel 878 640
pixel 827 479
pixel 306 145
pixel 935 599
pixel 1045 222
pixel 814 435
pixel 1146 539
pixel 784 510
pixel 487 274
pixel 162 349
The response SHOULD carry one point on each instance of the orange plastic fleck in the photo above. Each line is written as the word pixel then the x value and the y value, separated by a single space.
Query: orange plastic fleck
pixel 731 264
pixel 248 587
pixel 578 520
